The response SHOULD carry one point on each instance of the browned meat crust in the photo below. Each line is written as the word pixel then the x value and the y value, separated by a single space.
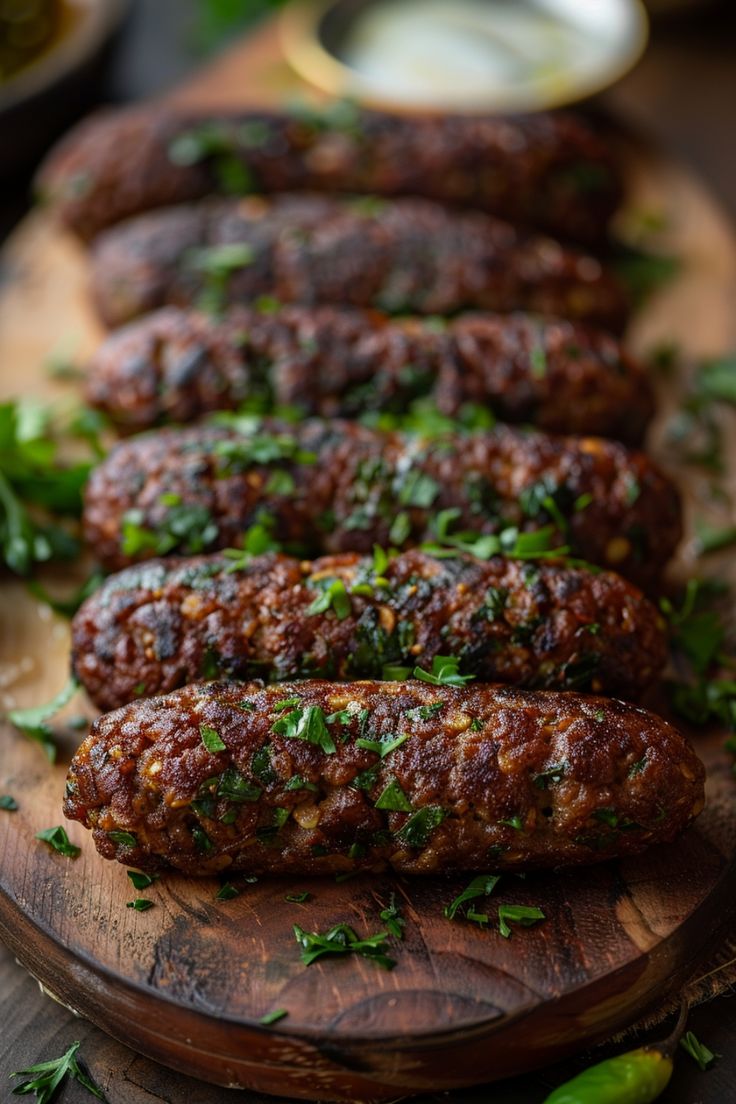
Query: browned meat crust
pixel 337 486
pixel 175 365
pixel 153 628
pixel 486 779
pixel 400 255
pixel 546 170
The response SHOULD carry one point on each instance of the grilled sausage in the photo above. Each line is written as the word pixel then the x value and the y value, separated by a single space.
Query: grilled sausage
pixel 401 255
pixel 153 628
pixel 338 486
pixel 175 365
pixel 545 170
pixel 317 777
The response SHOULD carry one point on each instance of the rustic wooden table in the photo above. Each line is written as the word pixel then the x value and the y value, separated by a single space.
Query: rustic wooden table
pixel 683 93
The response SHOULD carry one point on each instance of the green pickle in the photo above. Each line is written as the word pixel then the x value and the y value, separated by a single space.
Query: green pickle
pixel 634 1078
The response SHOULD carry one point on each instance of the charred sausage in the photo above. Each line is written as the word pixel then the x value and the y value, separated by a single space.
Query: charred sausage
pixel 545 170
pixel 155 627
pixel 175 365
pixel 399 255
pixel 338 486
pixel 317 777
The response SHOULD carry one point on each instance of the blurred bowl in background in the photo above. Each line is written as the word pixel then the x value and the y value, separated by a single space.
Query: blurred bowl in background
pixel 49 67
pixel 464 55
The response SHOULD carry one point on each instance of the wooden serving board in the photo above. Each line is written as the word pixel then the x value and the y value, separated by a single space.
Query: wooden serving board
pixel 187 982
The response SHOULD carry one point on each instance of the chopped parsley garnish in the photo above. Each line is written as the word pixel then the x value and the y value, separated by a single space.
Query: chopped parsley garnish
pixel 525 915
pixel 125 839
pixel 342 940
pixel 552 774
pixel 298 898
pixel 227 892
pixel 514 822
pixel 202 841
pixel 51 1075
pixel 308 724
pixel 141 880
pixel 418 489
pixel 445 672
pixel 712 539
pixel 392 918
pixel 8 803
pixel 425 712
pixel 216 264
pixel 394 799
pixel 419 827
pixel 59 841
pixel 32 722
pixel 383 747
pixel 188 528
pixel 698 1051
pixel 400 529
pixel 234 786
pixel 285 703
pixel 211 739
pixel 333 596
pixel 140 904
pixel 508 542
pixel 482 886
pixel 238 453
pixel 273 1017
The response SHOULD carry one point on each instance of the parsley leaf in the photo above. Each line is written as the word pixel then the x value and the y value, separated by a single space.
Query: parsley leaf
pixel 140 904
pixel 8 803
pixel 342 940
pixel 32 722
pixel 526 915
pixel 212 739
pixel 393 799
pixel 482 886
pixel 273 1017
pixel 418 828
pixel 307 724
pixel 59 841
pixel 334 596
pixel 445 672
pixel 52 1074
pixel 392 918
pixel 698 1051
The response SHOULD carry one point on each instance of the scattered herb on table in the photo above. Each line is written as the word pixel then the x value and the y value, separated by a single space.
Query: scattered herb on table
pixel 392 918
pixel 340 941
pixel 59 841
pixel 227 892
pixel 140 904
pixel 445 672
pixel 298 898
pixel 32 722
pixel 141 880
pixel 50 1075
pixel 698 1051
pixel 482 886
pixel 526 915
pixel 273 1017
pixel 8 803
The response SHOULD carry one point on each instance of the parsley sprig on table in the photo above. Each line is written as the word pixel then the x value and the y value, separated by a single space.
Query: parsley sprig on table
pixel 342 940
pixel 48 1077
pixel 35 490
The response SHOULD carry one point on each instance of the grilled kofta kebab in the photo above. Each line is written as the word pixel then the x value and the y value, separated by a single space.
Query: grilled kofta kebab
pixel 548 170
pixel 318 777
pixel 157 626
pixel 398 255
pixel 175 365
pixel 338 486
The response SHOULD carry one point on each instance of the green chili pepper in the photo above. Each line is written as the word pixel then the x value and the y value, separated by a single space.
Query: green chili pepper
pixel 637 1077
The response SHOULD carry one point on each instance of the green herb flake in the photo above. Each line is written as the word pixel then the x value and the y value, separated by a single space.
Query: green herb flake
pixel 125 839
pixel 140 904
pixel 514 822
pixel 525 915
pixel 482 886
pixel 334 596
pixel 419 827
pixel 141 880
pixel 298 898
pixel 306 724
pixel 32 722
pixel 393 919
pixel 394 799
pixel 385 745
pixel 202 841
pixel 211 739
pixel 698 1051
pixel 8 803
pixel 51 1075
pixel 342 940
pixel 59 841
pixel 227 892
pixel 273 1017
pixel 445 672
pixel 425 712
pixel 400 529
pixel 710 538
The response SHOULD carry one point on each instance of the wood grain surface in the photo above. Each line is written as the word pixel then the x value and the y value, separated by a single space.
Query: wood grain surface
pixel 187 981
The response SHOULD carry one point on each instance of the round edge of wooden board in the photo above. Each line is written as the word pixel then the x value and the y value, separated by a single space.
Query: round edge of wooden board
pixel 364 1067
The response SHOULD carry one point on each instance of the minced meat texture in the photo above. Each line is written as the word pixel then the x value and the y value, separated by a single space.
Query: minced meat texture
pixel 338 486
pixel 175 365
pixel 549 170
pixel 318 777
pixel 157 626
pixel 397 255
